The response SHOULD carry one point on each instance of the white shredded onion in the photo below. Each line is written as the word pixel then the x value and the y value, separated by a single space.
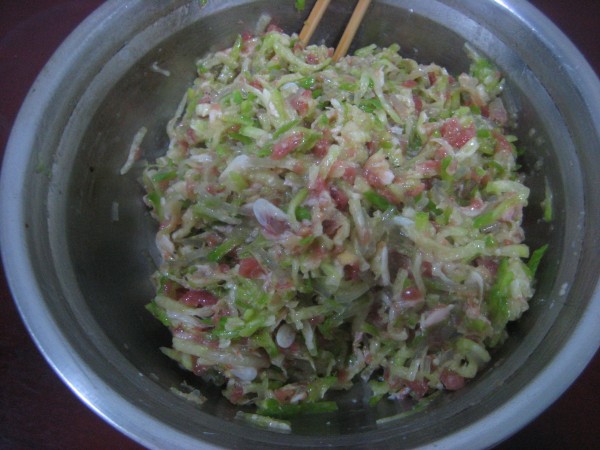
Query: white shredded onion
pixel 265 212
pixel 244 373
pixel 134 150
pixel 286 336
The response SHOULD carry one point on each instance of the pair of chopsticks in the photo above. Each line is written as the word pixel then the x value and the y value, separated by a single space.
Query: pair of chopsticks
pixel 315 17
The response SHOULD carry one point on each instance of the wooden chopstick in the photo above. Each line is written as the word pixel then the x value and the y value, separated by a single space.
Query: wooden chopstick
pixel 351 28
pixel 315 16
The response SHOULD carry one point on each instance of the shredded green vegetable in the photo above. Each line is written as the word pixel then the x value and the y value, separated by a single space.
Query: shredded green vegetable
pixel 324 224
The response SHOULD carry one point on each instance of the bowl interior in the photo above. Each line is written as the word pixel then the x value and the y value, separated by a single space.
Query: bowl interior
pixel 93 242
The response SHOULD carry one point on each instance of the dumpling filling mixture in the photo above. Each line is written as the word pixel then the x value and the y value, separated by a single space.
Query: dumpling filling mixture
pixel 323 224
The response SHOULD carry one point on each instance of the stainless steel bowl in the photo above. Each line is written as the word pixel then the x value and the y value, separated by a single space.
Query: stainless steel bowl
pixel 78 245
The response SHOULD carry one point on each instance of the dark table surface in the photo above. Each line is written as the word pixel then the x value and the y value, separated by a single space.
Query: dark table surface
pixel 38 411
